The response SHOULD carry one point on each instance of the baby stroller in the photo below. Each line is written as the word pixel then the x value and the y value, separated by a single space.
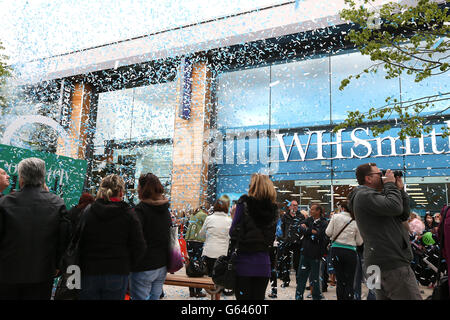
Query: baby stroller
pixel 426 261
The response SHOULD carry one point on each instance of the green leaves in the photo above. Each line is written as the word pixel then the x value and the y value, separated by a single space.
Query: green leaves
pixel 411 39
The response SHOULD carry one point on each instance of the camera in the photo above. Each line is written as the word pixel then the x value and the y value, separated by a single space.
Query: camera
pixel 397 173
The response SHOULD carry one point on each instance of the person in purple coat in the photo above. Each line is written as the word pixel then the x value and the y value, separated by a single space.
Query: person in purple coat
pixel 254 223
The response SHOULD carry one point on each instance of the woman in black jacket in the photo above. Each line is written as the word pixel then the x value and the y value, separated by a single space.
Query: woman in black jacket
pixel 111 243
pixel 148 276
pixel 254 224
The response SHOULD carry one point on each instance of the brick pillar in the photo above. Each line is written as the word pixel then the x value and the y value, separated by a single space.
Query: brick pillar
pixel 190 168
pixel 81 100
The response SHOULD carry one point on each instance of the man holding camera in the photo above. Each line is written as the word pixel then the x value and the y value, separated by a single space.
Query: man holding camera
pixel 381 206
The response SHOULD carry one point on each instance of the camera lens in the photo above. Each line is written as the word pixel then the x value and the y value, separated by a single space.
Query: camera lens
pixel 397 173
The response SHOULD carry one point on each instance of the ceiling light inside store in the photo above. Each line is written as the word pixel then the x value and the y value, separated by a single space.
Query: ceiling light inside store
pixel 295 194
pixel 313 186
pixel 414 189
pixel 307 198
pixel 416 194
pixel 323 190
pixel 316 200
pixel 284 191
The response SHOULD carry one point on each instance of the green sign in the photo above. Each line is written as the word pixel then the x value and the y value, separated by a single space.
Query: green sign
pixel 65 176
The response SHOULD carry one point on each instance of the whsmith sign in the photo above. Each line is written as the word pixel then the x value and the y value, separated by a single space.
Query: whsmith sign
pixel 361 145
pixel 252 146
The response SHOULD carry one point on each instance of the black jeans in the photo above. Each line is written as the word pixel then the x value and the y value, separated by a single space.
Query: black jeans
pixel 289 254
pixel 251 288
pixel 344 263
pixel 273 263
pixel 209 264
pixel 28 291
pixel 194 250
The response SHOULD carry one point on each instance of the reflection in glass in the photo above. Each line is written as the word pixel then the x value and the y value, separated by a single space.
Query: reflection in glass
pixel 243 98
pixel 370 90
pixel 300 93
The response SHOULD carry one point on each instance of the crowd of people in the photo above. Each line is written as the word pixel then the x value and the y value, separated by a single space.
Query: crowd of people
pixel 124 249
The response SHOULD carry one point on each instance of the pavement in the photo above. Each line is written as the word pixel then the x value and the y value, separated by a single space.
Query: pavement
pixel 288 293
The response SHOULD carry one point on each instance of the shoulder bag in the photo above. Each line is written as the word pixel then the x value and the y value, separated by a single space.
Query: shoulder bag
pixel 71 257
pixel 334 239
pixel 224 270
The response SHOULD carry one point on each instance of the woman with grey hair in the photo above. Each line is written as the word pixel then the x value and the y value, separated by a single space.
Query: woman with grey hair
pixel 111 243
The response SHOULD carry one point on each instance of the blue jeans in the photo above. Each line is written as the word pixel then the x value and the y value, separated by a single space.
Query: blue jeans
pixel 308 268
pixel 147 285
pixel 103 287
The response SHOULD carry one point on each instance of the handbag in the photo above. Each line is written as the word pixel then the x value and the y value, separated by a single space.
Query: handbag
pixel 196 268
pixel 224 270
pixel 175 259
pixel 71 257
pixel 333 240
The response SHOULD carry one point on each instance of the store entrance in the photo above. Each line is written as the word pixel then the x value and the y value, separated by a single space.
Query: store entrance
pixel 305 194
pixel 427 194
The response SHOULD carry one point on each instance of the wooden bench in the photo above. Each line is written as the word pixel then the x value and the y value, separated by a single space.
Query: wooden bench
pixel 201 282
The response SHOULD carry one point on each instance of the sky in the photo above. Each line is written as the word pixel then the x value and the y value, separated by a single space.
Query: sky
pixel 33 29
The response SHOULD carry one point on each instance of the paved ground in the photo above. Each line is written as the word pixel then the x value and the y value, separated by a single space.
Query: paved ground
pixel 182 293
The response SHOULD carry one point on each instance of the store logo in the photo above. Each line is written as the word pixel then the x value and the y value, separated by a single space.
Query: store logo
pixel 361 148
pixel 267 148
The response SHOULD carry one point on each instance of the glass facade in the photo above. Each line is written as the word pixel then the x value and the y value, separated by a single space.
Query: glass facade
pixel 134 130
pixel 300 102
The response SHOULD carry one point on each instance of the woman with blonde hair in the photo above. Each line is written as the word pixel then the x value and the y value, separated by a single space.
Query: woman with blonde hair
pixel 253 227
pixel 111 243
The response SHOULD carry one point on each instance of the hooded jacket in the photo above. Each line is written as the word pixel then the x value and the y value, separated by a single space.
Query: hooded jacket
pixel 380 216
pixel 259 225
pixel 155 219
pixel 112 241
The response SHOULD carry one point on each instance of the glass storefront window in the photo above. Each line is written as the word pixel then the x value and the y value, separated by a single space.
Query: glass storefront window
pixel 300 93
pixel 114 117
pixel 154 111
pixel 370 90
pixel 435 88
pixel 134 134
pixel 243 98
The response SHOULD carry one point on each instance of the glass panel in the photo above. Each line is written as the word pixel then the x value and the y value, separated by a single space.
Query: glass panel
pixel 436 87
pixel 305 196
pixel 243 98
pixel 154 111
pixel 114 115
pixel 370 90
pixel 427 197
pixel 300 93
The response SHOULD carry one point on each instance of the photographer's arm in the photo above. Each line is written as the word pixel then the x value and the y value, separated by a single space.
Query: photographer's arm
pixel 386 203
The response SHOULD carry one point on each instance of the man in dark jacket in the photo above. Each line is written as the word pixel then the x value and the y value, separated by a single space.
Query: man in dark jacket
pixel 312 251
pixel 32 236
pixel 290 242
pixel 381 209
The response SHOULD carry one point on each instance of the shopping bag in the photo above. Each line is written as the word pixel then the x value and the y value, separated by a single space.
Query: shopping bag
pixel 183 249
pixel 175 258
